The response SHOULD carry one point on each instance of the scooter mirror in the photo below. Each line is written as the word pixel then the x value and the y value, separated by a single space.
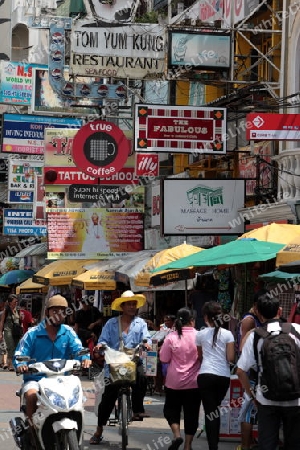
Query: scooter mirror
pixel 24 358
pixel 83 351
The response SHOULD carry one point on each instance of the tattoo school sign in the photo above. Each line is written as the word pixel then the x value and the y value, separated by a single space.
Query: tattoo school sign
pixel 134 51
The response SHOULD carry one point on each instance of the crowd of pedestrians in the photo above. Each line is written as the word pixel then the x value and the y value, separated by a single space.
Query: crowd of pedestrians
pixel 198 363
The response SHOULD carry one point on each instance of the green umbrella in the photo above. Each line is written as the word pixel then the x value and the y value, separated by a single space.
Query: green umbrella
pixel 280 275
pixel 234 252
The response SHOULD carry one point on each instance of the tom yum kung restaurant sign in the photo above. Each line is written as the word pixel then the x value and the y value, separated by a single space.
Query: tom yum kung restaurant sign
pixel 134 51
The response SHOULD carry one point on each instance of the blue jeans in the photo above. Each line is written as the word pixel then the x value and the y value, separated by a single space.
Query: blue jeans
pixel 269 420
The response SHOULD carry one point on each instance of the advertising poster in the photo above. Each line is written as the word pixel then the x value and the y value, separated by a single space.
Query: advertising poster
pixel 25 133
pixel 91 233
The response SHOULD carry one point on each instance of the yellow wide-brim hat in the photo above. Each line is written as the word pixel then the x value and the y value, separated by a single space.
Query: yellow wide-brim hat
pixel 128 296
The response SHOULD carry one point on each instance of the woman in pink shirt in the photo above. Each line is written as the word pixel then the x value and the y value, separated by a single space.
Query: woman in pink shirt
pixel 180 352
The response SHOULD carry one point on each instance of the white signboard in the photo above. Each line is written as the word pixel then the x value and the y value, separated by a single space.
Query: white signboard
pixel 125 51
pixel 203 206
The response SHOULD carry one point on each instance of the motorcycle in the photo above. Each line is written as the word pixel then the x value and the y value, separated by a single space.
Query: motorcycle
pixel 58 420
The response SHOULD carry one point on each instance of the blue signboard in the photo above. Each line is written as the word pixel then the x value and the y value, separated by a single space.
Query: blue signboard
pixel 21 222
pixel 20 196
pixel 25 133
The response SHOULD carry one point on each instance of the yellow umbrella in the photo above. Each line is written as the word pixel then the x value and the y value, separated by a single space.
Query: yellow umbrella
pixel 280 233
pixel 146 278
pixel 95 280
pixel 29 287
pixel 61 272
pixel 289 253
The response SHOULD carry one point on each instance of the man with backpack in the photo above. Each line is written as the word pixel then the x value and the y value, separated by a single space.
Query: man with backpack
pixel 275 350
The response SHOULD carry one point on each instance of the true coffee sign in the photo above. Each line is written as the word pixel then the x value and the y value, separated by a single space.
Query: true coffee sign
pixel 102 149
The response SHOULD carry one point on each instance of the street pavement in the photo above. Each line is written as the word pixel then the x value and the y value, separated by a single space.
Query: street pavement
pixel 152 433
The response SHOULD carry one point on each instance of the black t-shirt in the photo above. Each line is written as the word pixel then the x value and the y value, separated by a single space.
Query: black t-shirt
pixel 84 317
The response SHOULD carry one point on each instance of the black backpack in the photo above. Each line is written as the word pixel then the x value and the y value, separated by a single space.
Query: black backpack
pixel 280 360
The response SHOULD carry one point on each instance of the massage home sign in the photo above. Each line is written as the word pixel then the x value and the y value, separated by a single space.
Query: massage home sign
pixel 203 206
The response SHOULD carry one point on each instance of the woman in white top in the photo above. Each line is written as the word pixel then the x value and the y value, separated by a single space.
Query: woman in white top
pixel 216 351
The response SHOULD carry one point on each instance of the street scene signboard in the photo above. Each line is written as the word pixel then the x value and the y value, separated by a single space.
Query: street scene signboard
pixel 134 51
pixel 203 206
pixel 265 126
pixel 184 129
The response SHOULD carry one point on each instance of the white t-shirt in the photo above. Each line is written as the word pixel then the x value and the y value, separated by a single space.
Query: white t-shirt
pixel 214 359
pixel 247 360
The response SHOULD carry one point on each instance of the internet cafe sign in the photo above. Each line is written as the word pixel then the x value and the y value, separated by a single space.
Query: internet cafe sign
pixel 134 51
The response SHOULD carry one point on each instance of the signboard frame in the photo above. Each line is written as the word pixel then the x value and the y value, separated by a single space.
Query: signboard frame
pixel 203 207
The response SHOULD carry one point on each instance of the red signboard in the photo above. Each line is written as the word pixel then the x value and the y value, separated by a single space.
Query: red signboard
pixel 281 127
pixel 184 129
pixel 100 149
pixel 72 175
pixel 146 164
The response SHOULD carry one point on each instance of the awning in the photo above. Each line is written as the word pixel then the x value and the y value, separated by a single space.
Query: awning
pixel 95 279
pixel 29 287
pixel 61 272
pixel 33 250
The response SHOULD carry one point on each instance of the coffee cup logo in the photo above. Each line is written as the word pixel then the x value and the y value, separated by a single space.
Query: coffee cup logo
pixel 100 149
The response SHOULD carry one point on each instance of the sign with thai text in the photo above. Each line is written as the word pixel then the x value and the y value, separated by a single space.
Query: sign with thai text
pixel 203 206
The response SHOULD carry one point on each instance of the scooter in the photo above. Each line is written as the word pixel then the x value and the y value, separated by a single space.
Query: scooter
pixel 58 420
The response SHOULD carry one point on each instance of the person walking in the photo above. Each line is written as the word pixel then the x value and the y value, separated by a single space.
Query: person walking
pixel 10 321
pixel 216 351
pixel 278 371
pixel 248 413
pixel 125 331
pixel 180 352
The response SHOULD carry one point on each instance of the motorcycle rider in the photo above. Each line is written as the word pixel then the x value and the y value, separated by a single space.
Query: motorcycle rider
pixel 50 339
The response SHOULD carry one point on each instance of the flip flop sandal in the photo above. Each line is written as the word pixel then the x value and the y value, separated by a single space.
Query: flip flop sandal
pixel 96 440
pixel 176 444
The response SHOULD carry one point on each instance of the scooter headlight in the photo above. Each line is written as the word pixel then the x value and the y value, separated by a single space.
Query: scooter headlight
pixel 55 398
pixel 74 397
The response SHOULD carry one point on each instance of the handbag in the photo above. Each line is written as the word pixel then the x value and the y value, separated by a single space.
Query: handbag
pixel 17 330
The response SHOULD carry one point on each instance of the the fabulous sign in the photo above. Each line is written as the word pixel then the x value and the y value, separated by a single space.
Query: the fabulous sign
pixel 184 129
pixel 124 51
